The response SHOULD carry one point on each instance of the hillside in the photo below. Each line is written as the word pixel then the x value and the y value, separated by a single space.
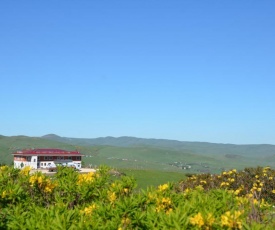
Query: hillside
pixel 9 145
pixel 148 154
pixel 202 148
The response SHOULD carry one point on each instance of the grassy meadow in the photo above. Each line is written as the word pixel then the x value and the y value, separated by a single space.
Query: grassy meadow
pixel 154 178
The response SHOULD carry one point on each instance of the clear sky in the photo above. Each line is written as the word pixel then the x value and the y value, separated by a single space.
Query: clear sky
pixel 185 70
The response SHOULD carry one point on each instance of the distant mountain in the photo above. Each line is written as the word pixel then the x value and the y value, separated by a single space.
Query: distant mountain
pixel 202 148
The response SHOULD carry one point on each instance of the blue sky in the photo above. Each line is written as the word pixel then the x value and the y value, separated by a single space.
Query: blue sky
pixel 184 70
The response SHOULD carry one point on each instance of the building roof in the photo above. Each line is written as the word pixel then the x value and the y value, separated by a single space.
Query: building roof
pixel 46 152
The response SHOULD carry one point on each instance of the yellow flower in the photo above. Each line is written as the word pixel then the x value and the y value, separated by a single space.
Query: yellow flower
pixel 250 195
pixel 4 194
pixel 273 191
pixel 266 169
pixel 85 178
pixel 225 220
pixel 89 210
pixel 164 204
pixel 112 196
pixel 255 201
pixel 197 220
pixel 237 192
pixel 169 211
pixel 163 187
pixel 257 176
pixel 49 186
pixel 25 171
pixel 4 168
pixel 39 180
pixel 264 204
pixel 210 219
pixel 242 200
pixel 166 201
pixel 224 184
pixel 231 220
pixel 32 179
pixel 125 221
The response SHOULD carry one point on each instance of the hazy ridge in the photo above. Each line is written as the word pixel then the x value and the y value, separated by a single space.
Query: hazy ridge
pixel 204 148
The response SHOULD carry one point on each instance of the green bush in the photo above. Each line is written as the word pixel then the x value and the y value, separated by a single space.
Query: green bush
pixel 70 200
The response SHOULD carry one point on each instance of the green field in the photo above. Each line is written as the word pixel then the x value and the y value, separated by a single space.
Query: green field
pixel 145 178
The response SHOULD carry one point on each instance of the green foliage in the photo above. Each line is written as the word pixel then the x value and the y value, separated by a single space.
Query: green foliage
pixel 70 200
pixel 258 183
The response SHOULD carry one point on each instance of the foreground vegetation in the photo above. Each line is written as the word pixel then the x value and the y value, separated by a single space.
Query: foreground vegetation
pixel 69 200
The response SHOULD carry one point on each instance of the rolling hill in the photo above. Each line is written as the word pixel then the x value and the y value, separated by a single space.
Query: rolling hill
pixel 149 154
pixel 202 148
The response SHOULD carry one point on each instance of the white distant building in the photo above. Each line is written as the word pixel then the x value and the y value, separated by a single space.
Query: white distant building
pixel 41 158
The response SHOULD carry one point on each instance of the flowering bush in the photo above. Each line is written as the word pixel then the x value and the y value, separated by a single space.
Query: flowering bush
pixel 258 183
pixel 70 200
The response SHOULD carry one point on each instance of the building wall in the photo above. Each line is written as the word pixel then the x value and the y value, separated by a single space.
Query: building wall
pixel 22 162
pixel 42 161
pixel 53 158
pixel 45 164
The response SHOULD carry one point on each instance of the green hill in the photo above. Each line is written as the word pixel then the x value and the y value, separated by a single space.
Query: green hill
pixel 9 145
pixel 148 154
pixel 201 148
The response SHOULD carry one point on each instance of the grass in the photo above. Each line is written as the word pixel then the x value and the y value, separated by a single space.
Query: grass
pixel 145 178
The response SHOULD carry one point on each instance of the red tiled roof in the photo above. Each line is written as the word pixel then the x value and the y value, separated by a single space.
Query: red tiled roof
pixel 52 152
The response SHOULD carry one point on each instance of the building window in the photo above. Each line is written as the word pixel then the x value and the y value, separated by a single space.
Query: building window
pixel 50 158
pixel 60 158
pixel 28 158
pixel 45 158
pixel 38 158
pixel 69 158
pixel 77 158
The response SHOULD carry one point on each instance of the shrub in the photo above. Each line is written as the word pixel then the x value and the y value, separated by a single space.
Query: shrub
pixel 70 200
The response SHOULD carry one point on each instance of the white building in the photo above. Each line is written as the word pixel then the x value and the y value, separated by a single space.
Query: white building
pixel 41 158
